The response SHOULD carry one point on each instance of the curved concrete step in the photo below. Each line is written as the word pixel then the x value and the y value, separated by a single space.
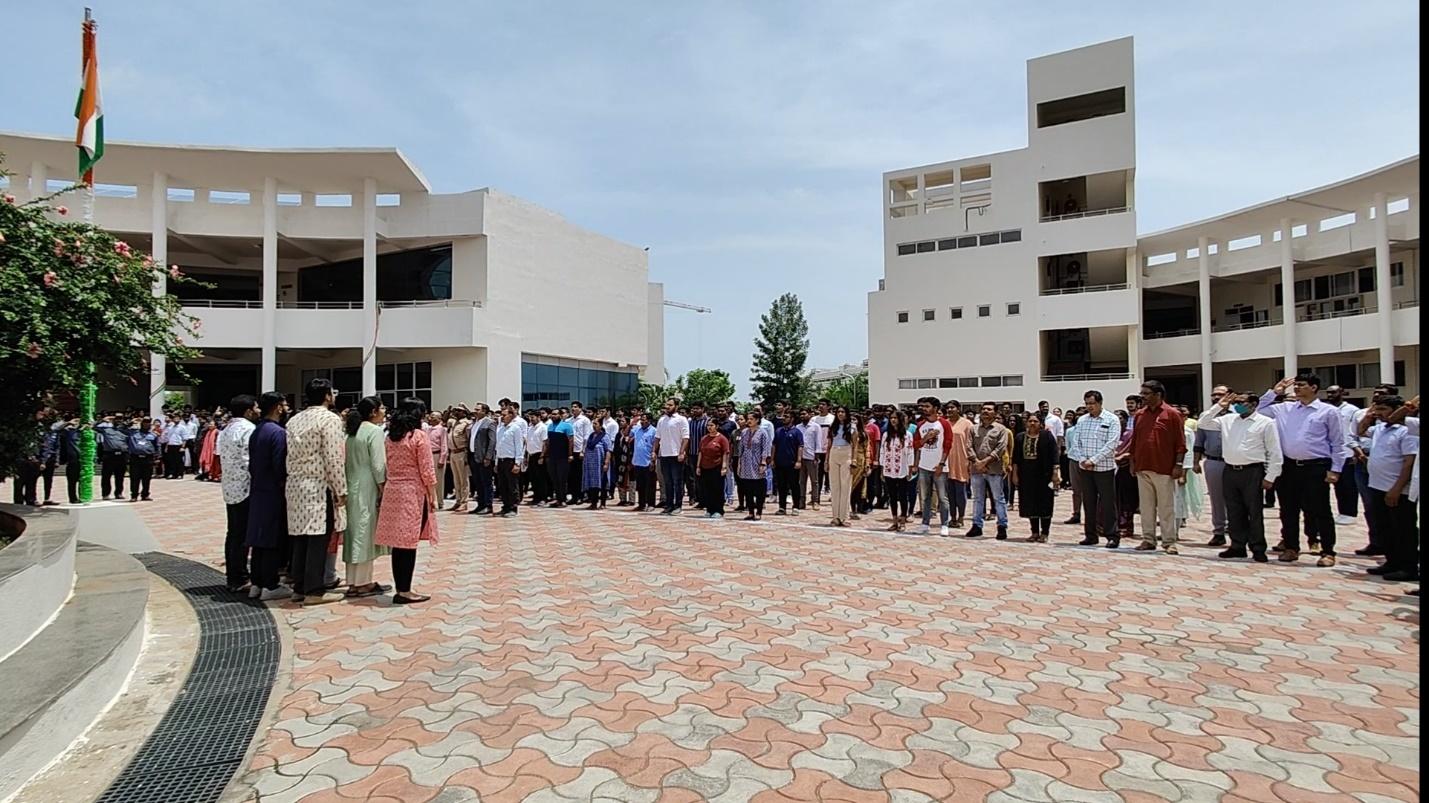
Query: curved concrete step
pixel 63 677
pixel 36 574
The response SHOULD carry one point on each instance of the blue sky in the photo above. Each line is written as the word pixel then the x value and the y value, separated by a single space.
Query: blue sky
pixel 742 142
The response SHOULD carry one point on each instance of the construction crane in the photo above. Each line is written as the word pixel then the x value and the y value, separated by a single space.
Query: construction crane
pixel 699 329
pixel 683 305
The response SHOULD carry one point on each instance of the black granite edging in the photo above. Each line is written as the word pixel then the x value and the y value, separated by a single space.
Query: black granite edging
pixel 200 743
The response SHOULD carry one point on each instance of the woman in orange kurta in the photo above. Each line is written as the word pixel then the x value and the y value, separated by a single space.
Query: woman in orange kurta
pixel 406 514
pixel 208 465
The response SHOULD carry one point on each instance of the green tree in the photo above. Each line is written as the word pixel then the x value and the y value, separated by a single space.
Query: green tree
pixel 72 295
pixel 848 391
pixel 781 352
pixel 653 396
pixel 705 386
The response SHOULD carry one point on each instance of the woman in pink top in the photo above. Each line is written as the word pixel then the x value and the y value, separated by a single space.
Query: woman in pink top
pixel 961 434
pixel 409 499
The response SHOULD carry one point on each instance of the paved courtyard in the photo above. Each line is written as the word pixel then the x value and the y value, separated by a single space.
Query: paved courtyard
pixel 570 656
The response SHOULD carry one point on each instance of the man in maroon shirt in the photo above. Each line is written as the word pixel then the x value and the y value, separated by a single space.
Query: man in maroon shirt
pixel 1158 449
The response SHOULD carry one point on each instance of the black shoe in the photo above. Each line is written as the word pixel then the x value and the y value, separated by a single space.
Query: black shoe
pixel 1279 547
pixel 1113 543
pixel 1090 541
pixel 975 532
pixel 1259 557
pixel 1073 520
pixel 1369 551
pixel 1219 540
pixel 506 514
pixel 640 508
pixel 1402 577
pixel 1002 533
pixel 1232 553
pixel 1381 569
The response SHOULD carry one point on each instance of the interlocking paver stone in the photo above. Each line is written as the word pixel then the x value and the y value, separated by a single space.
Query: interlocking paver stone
pixel 570 656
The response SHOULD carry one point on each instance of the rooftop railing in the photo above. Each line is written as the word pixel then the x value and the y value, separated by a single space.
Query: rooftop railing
pixel 1115 210
pixel 223 303
pixel 1194 330
pixel 1102 377
pixel 1091 288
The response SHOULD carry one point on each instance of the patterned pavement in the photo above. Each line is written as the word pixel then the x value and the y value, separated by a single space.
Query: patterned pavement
pixel 572 656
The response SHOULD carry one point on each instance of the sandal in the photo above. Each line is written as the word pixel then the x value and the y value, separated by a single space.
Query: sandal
pixel 369 590
pixel 398 599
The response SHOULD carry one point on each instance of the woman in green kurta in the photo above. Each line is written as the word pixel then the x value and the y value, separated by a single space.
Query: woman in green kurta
pixel 366 472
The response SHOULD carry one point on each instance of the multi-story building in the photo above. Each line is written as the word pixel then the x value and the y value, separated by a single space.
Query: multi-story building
pixel 343 263
pixel 1018 276
pixel 1012 276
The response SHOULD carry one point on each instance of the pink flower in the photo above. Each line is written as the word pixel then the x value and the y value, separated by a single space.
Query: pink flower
pixel 2 237
pixel 9 199
pixel 63 210
pixel 175 272
pixel 148 261
pixel 51 278
pixel 33 351
pixel 121 247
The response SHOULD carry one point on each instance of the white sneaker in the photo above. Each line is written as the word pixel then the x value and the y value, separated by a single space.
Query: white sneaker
pixel 922 529
pixel 1342 520
pixel 279 592
pixel 943 531
pixel 254 591
pixel 716 516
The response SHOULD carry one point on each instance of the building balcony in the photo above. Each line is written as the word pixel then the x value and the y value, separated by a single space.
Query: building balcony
pixel 336 324
pixel 1105 376
pixel 1108 305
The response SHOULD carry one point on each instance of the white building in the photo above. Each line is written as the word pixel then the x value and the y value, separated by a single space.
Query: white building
pixel 1018 276
pixel 342 263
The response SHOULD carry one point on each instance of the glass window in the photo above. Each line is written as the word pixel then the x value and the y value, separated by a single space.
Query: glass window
pixel 904 249
pixel 1344 284
pixel 907 384
pixel 390 400
pixel 1399 373
pixel 422 274
pixel 984 311
pixel 347 380
pixel 925 247
pixel 528 373
pixel 992 381
pixel 1014 308
pixel 1322 287
pixel 1346 376
pixel 1396 274
pixel 386 378
pixel 946 245
pixel 1366 280
pixel 967 242
pixel 948 382
pixel 1279 295
pixel 903 317
pixel 988 239
pixel 569 376
pixel 424 375
pixel 1013 236
pixel 1012 381
pixel 426 397
pixel 547 374
pixel 1369 374
pixel 957 312
pixel 926 383
pixel 967 381
pixel 1302 291
pixel 928 315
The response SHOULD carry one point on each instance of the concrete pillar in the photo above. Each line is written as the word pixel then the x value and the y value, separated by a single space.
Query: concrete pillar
pixel 1287 297
pixel 269 373
pixel 1203 264
pixel 369 287
pixel 159 231
pixel 39 174
pixel 1382 289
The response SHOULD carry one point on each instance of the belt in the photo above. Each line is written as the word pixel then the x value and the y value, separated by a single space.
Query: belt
pixel 1314 461
pixel 1218 459
pixel 1245 467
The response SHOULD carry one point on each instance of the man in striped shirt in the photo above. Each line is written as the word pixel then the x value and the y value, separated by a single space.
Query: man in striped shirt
pixel 1090 446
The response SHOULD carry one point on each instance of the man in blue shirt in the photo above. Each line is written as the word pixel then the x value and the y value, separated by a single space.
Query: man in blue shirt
pixel 143 449
pixel 1391 465
pixel 697 432
pixel 642 459
pixel 788 447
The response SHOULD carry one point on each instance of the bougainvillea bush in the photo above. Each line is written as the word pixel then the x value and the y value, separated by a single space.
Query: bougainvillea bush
pixel 71 295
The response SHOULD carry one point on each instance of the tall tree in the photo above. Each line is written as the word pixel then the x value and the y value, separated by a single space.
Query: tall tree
pixel 705 386
pixel 781 352
pixel 848 391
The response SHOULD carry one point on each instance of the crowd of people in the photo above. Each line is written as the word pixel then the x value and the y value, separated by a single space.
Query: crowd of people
pixel 367 482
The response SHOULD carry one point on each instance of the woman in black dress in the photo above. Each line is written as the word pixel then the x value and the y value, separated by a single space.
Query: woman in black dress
pixel 1035 474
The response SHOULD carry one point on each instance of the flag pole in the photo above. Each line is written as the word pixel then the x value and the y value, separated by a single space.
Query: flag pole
pixel 89 389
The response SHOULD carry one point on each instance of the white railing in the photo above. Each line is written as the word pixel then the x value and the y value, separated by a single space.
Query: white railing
pixel 1091 288
pixel 221 303
pixel 1413 302
pixel 218 303
pixel 441 302
pixel 1326 316
pixel 1236 327
pixel 1087 377
pixel 1115 210
pixel 1194 330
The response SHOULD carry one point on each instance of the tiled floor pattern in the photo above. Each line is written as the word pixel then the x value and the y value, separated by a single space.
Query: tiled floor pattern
pixel 571 656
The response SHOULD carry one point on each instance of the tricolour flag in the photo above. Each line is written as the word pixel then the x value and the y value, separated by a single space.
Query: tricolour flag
pixel 89 134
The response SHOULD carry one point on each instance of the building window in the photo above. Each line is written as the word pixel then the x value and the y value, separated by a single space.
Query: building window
pixel 987 239
pixel 549 384
pixel 928 315
pixel 992 381
pixel 421 274
pixel 984 311
pixel 947 382
pixel 1013 236
pixel 907 248
pixel 967 242
pixel 398 381
pixel 1014 308
pixel 947 245
pixel 925 384
pixel 1014 381
pixel 1081 107
pixel 1399 380
pixel 956 313
pixel 903 317
pixel 1396 274
pixel 925 247
pixel 967 381
pixel 907 384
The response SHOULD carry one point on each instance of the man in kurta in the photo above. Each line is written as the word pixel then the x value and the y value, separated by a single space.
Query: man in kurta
pixel 267 506
pixel 317 490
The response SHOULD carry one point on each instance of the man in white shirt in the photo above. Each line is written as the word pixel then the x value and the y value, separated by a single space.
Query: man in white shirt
pixel 534 475
pixel 1346 490
pixel 1250 449
pixel 825 420
pixel 1358 465
pixel 672 443
pixel 237 484
pixel 612 434
pixel 173 438
pixel 581 428
pixel 810 461
pixel 510 457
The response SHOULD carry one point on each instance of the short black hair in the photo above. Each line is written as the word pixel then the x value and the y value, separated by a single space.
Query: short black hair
pixel 1388 388
pixel 933 400
pixel 269 401
pixel 1393 402
pixel 825 401
pixel 1310 378
pixel 1155 386
pixel 953 403
pixel 317 390
pixel 240 404
pixel 1093 394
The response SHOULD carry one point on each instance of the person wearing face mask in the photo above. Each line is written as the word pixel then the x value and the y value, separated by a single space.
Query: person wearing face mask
pixel 1252 458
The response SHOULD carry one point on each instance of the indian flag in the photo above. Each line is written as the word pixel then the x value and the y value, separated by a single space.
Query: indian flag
pixel 89 134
